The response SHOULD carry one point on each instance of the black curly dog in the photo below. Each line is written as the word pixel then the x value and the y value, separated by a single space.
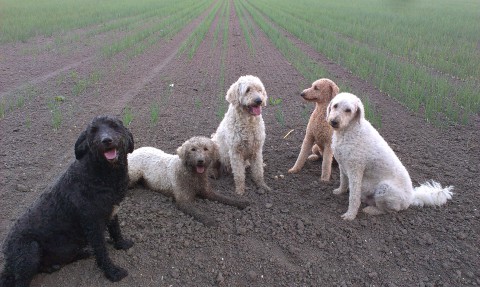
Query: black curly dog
pixel 76 211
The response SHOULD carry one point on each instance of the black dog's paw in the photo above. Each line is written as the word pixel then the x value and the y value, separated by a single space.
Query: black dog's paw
pixel 207 221
pixel 123 244
pixel 115 273
pixel 243 204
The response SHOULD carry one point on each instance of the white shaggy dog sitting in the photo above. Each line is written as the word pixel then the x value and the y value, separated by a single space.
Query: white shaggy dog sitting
pixel 241 134
pixel 182 176
pixel 368 166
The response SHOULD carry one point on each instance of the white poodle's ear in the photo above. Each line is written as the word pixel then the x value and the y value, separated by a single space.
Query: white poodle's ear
pixel 329 108
pixel 233 93
pixel 360 110
pixel 265 100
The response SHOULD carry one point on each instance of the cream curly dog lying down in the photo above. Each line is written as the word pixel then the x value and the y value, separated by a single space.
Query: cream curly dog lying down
pixel 368 166
pixel 241 134
pixel 182 176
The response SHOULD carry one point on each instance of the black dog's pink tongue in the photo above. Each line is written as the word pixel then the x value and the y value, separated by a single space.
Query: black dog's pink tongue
pixel 257 110
pixel 200 169
pixel 111 154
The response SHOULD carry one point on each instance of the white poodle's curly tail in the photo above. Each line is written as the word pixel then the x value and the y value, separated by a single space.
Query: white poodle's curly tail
pixel 431 193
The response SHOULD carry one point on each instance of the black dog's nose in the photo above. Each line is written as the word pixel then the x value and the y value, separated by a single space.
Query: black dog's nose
pixel 107 140
pixel 334 123
pixel 200 161
pixel 258 101
pixel 302 95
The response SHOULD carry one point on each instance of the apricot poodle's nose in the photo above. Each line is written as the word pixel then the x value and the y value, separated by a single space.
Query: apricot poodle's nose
pixel 302 95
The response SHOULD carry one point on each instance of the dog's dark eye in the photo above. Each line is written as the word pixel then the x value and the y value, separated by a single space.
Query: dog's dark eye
pixel 93 129
pixel 315 88
pixel 335 106
pixel 248 90
pixel 194 149
pixel 348 110
pixel 205 149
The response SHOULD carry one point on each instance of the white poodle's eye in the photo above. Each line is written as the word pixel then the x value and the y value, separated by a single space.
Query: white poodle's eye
pixel 348 110
pixel 205 149
pixel 248 90
pixel 335 106
pixel 194 149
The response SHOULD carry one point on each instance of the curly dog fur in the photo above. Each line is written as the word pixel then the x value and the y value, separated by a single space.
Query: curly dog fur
pixel 76 211
pixel 241 134
pixel 318 137
pixel 182 176
pixel 368 166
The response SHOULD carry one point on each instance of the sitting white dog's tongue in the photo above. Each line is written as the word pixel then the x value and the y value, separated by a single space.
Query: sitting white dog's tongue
pixel 200 169
pixel 111 154
pixel 256 111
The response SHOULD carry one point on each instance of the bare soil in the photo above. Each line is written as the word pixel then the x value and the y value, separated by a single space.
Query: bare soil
pixel 292 236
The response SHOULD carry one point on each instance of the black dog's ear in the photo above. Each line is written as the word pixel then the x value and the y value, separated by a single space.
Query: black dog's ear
pixel 81 146
pixel 130 143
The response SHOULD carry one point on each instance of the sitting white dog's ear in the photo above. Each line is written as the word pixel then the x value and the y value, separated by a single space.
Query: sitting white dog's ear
pixel 329 108
pixel 359 110
pixel 233 93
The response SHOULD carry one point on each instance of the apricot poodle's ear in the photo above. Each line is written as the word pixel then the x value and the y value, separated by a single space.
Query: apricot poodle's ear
pixel 334 89
pixel 81 146
pixel 233 93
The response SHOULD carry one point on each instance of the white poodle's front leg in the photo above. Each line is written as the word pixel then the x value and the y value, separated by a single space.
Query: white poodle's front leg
pixel 354 199
pixel 238 169
pixel 343 182
pixel 257 172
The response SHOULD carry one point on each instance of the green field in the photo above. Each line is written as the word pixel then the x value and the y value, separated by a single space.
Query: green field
pixel 424 53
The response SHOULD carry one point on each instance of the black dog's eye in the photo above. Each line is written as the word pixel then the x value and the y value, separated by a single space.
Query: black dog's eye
pixel 335 106
pixel 348 110
pixel 113 125
pixel 194 149
pixel 248 90
pixel 93 129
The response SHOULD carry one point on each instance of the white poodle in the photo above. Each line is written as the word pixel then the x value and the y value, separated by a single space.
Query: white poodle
pixel 182 176
pixel 368 166
pixel 241 134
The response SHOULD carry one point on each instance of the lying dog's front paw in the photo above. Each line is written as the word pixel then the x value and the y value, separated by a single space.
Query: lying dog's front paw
pixel 338 191
pixel 123 244
pixel 115 273
pixel 349 215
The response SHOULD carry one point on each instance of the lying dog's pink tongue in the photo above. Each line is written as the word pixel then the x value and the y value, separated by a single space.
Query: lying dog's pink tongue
pixel 256 111
pixel 200 169
pixel 111 154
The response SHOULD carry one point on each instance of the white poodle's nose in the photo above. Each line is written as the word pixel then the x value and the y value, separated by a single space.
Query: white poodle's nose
pixel 258 101
pixel 334 123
